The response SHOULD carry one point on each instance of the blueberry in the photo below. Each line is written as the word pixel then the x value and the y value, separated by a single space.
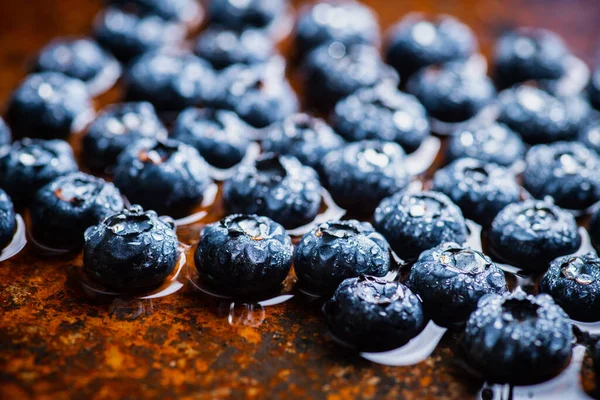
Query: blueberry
pixel 451 92
pixel 532 233
pixel 488 142
pixel 415 222
pixel 337 250
pixel 237 15
pixel 220 136
pixel 8 222
pixel 224 48
pixel 382 113
pixel 167 176
pixel 244 255
pixel 278 187
pixel 529 54
pixel 594 230
pixel 128 35
pixel 518 338
pixel 481 190
pixel 48 105
pixel 117 126
pixel 540 117
pixel 346 22
pixel 361 174
pixel 416 42
pixel 63 209
pixel 305 137
pixel 29 164
pixel 186 11
pixel 170 82
pixel 5 134
pixel 326 74
pixel 373 314
pixel 131 250
pixel 567 171
pixel 593 89
pixel 450 279
pixel 257 94
pixel 590 136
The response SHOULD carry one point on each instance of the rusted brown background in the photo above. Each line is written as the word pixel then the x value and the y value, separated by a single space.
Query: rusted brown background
pixel 57 343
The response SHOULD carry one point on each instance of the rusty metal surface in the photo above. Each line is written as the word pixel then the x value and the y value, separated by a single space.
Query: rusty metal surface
pixel 55 342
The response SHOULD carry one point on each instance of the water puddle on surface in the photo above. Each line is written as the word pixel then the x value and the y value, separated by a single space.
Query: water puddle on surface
pixel 18 241
pixel 219 174
pixel 210 195
pixel 332 212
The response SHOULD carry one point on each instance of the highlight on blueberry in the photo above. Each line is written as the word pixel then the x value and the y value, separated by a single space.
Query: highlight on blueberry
pixel 5 133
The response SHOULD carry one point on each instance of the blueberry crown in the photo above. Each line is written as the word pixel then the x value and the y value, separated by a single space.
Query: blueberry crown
pixel 583 271
pixel 256 228
pixel 378 291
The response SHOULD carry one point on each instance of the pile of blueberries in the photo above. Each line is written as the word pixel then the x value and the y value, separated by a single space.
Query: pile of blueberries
pixel 521 159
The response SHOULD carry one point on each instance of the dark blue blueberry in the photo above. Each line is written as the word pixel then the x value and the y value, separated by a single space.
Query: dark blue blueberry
pixel 167 176
pixel 132 250
pixel 574 283
pixel 373 314
pixel 382 113
pixel 540 117
pixel 278 187
pixel 333 71
pixel 8 222
pixel 518 338
pixel 346 22
pixel 415 222
pixel 594 230
pixel 241 15
pixel 63 209
pixel 593 89
pixel 220 136
pixel 48 105
pixel 224 48
pixel 5 134
pixel 29 164
pixel 529 54
pixel 481 190
pixel 244 255
pixel 531 234
pixel 489 142
pixel 115 128
pixel 128 35
pixel 567 171
pixel 361 174
pixel 307 138
pixel 186 11
pixel 450 279
pixel 416 42
pixel 259 95
pixel 451 92
pixel 590 136
pixel 170 82
pixel 337 250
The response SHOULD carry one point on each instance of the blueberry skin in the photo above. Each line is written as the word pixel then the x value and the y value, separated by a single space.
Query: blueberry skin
pixel 170 82
pixel 373 314
pixel 63 209
pixel 131 251
pixel 220 136
pixel 382 113
pixel 46 105
pixel 529 54
pixel 235 15
pixel 258 95
pixel 532 233
pixel 415 43
pixel 8 221
pixel 451 92
pixel 29 164
pixel 115 128
pixel 307 138
pixel 567 171
pixel 326 78
pixel 224 48
pixel 574 284
pixel 480 190
pixel 278 187
pixel 590 136
pixel 337 250
pixel 244 255
pixel 594 230
pixel 593 89
pixel 415 222
pixel 361 174
pixel 540 117
pixel 167 176
pixel 489 142
pixel 80 58
pixel 5 133
pixel 518 338
pixel 172 10
pixel 349 23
